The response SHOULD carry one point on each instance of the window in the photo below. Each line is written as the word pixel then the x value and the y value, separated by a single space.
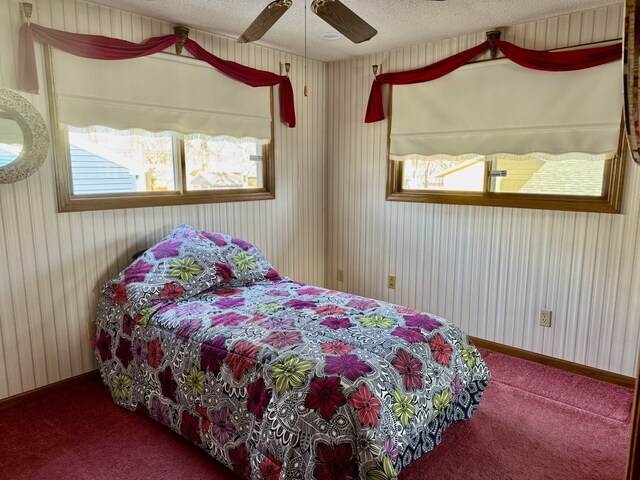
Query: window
pixel 191 135
pixel 109 161
pixel 578 182
pixel 535 174
pixel 445 151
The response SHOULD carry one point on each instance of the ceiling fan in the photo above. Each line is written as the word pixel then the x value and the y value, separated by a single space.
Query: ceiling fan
pixel 334 12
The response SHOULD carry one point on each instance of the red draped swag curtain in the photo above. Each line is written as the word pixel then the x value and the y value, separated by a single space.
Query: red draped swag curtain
pixel 535 59
pixel 106 48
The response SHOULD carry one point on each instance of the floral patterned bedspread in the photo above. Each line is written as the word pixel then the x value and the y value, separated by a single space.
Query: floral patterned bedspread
pixel 279 380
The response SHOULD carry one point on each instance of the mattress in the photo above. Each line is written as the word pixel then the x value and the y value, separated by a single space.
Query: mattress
pixel 281 380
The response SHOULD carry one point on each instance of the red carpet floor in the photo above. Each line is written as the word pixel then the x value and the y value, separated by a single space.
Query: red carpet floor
pixel 534 423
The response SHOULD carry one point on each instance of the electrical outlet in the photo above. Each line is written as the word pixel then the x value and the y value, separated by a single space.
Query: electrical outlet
pixel 392 281
pixel 545 318
pixel 340 275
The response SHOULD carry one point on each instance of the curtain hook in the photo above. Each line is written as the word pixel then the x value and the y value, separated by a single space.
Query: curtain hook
pixel 374 69
pixel 286 67
pixel 27 9
pixel 492 36
pixel 184 34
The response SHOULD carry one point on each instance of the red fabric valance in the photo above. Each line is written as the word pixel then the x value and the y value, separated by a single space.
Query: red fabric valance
pixel 535 59
pixel 565 61
pixel 106 48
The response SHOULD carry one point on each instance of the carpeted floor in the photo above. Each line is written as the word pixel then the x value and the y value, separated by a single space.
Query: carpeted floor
pixel 534 423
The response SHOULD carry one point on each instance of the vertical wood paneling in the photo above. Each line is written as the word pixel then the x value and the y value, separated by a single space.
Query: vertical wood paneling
pixel 490 270
pixel 53 263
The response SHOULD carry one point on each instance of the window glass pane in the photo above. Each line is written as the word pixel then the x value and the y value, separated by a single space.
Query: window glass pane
pixel 105 160
pixel 568 174
pixel 222 163
pixel 576 174
pixel 465 173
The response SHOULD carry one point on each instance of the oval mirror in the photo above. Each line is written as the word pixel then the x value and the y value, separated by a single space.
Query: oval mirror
pixel 24 138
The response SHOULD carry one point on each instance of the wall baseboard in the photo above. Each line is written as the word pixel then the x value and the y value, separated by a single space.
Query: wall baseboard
pixel 602 375
pixel 51 389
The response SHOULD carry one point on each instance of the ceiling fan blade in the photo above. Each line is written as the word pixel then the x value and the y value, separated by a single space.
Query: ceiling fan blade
pixel 265 21
pixel 340 17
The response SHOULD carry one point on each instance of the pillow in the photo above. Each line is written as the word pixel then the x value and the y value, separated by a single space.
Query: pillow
pixel 247 263
pixel 181 265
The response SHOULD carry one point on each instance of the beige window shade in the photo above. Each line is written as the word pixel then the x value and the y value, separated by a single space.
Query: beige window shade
pixel 158 93
pixel 499 107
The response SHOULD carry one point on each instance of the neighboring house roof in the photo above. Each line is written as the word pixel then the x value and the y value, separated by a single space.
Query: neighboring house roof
pixel 211 180
pixel 574 177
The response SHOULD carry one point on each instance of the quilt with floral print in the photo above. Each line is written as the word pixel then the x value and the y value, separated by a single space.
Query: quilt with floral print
pixel 276 379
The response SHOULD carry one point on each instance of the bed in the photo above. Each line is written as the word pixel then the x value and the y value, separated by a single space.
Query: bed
pixel 274 378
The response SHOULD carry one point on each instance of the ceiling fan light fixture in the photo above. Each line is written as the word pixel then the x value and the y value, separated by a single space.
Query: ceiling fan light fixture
pixel 330 36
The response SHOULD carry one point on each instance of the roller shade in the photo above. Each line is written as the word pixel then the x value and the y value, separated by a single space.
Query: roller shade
pixel 162 92
pixel 499 107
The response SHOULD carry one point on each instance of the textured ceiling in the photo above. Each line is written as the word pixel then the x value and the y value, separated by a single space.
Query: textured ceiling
pixel 399 22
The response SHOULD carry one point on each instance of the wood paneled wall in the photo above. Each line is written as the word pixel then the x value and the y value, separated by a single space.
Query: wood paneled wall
pixel 489 270
pixel 52 264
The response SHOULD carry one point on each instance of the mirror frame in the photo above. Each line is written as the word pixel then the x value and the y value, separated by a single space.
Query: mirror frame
pixel 35 136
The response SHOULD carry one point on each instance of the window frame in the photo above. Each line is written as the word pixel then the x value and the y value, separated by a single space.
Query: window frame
pixel 69 202
pixel 609 202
